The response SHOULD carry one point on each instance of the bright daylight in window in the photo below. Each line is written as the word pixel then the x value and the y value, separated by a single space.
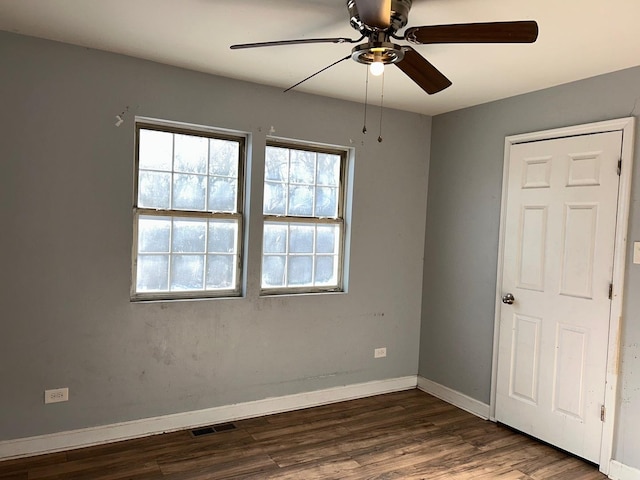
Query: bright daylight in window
pixel 303 219
pixel 188 215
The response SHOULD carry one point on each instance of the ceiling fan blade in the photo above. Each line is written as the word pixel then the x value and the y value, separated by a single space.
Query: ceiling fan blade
pixel 418 69
pixel 375 13
pixel 492 32
pixel 294 42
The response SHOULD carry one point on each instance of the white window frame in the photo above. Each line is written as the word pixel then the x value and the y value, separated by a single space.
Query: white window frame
pixel 206 132
pixel 344 154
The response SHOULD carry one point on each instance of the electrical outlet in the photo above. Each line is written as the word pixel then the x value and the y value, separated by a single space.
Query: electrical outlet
pixel 636 252
pixel 380 352
pixel 56 395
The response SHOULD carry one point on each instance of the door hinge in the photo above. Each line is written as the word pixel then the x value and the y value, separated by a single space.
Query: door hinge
pixel 620 167
pixel 610 291
pixel 602 413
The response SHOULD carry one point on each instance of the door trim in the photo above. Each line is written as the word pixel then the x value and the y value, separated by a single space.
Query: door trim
pixel 627 126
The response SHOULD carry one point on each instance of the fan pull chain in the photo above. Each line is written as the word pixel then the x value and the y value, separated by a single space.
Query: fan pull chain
pixel 366 96
pixel 318 72
pixel 381 105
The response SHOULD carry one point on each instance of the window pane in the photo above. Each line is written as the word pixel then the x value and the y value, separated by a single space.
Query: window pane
pixel 187 272
pixel 273 271
pixel 303 167
pixel 275 199
pixel 152 273
pixel 328 169
pixel 275 238
pixel 276 166
pixel 153 234
pixel 189 236
pixel 301 201
pixel 326 236
pixel 326 202
pixel 222 236
pixel 325 271
pixel 153 189
pixel 300 271
pixel 222 195
pixel 220 271
pixel 301 239
pixel 223 157
pixel 155 150
pixel 190 154
pixel 189 192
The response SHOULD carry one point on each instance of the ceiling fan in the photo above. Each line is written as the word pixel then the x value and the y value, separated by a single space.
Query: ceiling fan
pixel 378 21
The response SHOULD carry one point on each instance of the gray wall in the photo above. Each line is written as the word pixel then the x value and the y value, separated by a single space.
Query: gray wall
pixel 461 246
pixel 65 211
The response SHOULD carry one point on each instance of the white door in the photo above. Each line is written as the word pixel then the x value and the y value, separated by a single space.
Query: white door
pixel 558 265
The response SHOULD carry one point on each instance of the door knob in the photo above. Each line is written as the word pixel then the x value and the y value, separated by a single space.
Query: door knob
pixel 508 299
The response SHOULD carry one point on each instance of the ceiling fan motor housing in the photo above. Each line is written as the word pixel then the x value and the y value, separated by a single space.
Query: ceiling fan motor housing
pixel 379 48
pixel 399 17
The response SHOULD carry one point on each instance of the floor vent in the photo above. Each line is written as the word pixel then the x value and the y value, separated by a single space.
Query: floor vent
pixel 223 427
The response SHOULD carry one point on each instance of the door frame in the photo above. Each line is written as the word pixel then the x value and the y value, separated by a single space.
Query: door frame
pixel 627 126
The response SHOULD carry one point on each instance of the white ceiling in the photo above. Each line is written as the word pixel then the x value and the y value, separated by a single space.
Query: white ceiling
pixel 578 39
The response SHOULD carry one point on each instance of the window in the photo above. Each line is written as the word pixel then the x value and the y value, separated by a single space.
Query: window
pixel 188 213
pixel 302 247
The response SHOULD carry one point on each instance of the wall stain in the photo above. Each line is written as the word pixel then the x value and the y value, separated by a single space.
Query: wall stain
pixel 161 353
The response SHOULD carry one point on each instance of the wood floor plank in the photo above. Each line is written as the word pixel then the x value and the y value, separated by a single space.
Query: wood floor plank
pixel 18 464
pixel 260 464
pixel 333 468
pixel 211 459
pixel 23 475
pixel 95 468
pixel 406 435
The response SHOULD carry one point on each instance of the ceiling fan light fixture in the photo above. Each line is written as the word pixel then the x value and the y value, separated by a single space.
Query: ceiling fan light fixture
pixel 377 55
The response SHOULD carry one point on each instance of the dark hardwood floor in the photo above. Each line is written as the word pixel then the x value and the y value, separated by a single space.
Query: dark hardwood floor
pixel 403 435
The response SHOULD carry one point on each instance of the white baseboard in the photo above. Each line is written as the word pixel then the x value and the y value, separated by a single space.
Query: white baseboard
pixel 85 437
pixel 619 471
pixel 454 397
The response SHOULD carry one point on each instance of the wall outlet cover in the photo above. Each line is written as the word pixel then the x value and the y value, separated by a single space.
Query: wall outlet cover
pixel 56 395
pixel 380 352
